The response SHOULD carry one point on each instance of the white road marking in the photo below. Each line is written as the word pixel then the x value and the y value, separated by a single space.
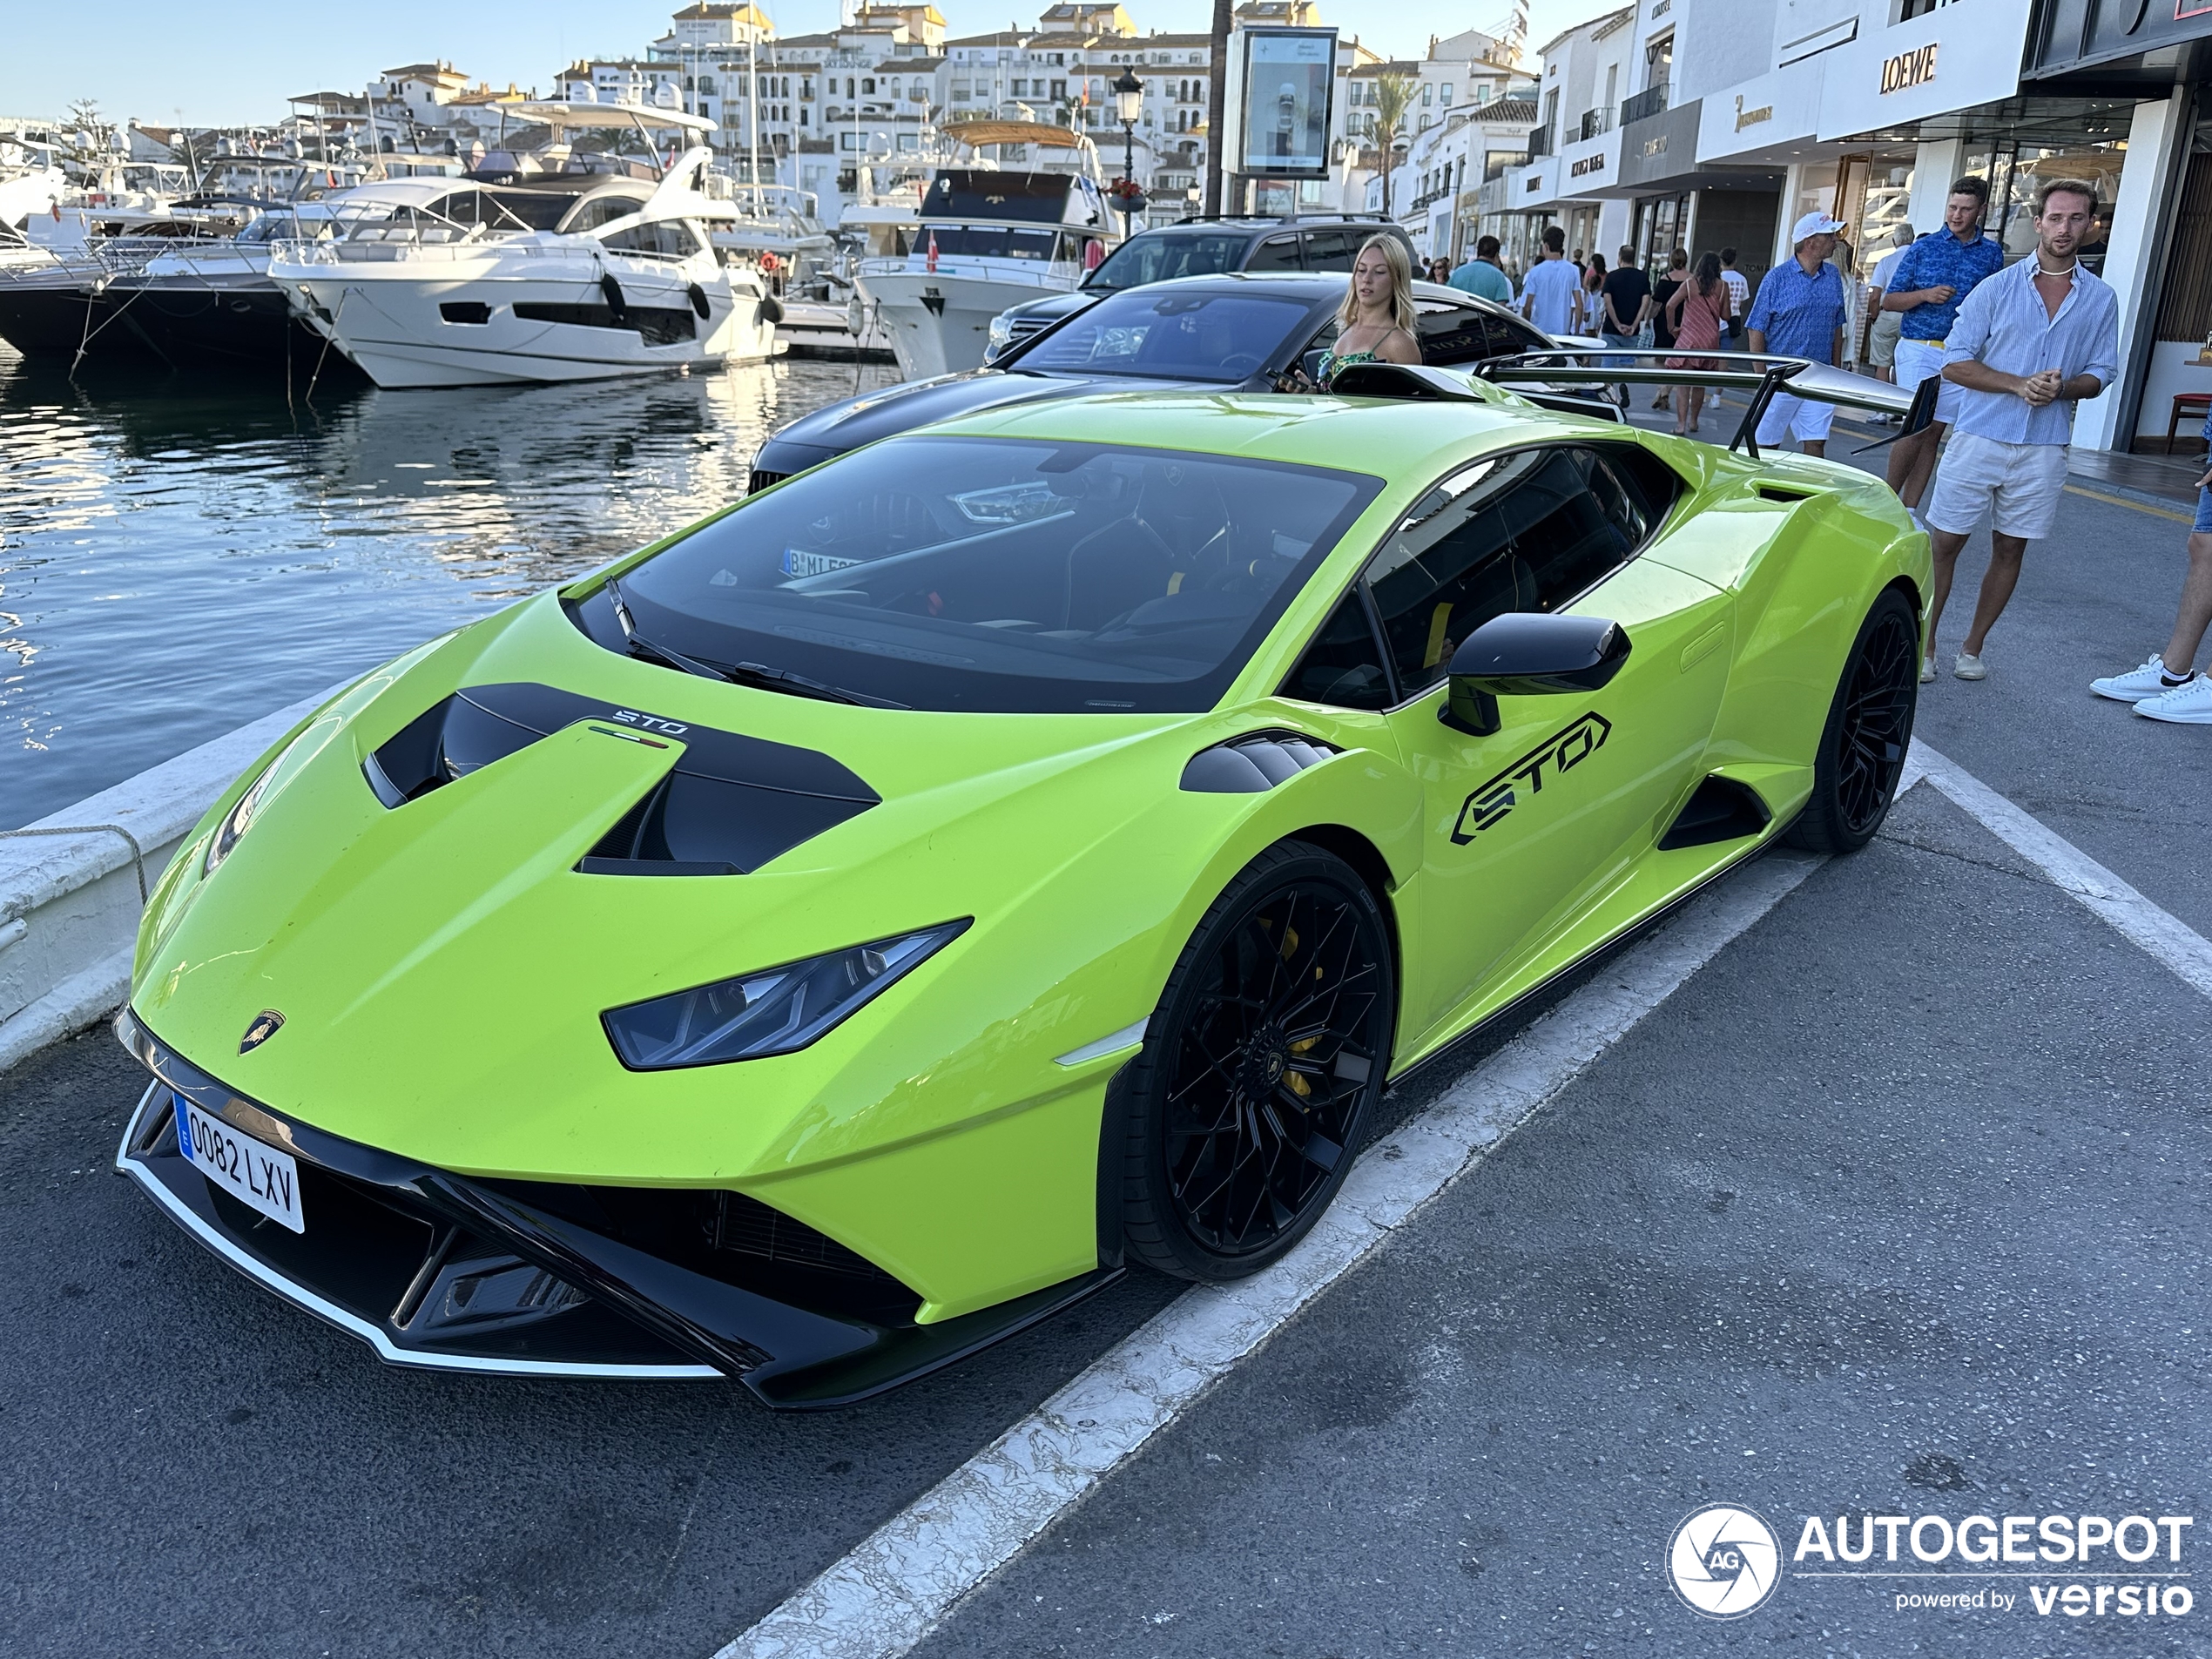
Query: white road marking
pixel 2071 871
pixel 901 1582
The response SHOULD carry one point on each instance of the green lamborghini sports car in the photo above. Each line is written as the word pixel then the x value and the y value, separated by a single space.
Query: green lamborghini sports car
pixel 857 925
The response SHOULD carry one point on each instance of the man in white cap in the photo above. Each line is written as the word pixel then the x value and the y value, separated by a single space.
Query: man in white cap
pixel 1799 312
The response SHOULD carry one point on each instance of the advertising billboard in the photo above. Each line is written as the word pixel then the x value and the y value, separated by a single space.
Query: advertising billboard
pixel 1289 77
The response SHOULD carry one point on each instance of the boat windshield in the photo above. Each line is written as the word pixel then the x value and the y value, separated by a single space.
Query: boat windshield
pixel 1000 575
pixel 1219 337
pixel 1163 255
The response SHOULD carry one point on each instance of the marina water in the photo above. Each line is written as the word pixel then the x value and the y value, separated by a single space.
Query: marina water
pixel 179 557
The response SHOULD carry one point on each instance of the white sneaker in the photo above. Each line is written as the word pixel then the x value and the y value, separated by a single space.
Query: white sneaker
pixel 1970 667
pixel 2136 683
pixel 1927 670
pixel 2187 703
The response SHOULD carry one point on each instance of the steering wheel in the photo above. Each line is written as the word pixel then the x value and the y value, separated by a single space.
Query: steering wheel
pixel 1244 363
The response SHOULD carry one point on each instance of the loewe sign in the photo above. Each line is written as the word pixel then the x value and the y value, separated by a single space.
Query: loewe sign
pixel 1908 69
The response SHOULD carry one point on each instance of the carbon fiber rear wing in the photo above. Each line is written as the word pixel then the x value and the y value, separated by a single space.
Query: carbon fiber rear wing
pixel 1762 376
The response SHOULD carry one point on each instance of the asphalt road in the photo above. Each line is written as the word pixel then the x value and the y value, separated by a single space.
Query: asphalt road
pixel 1904 1195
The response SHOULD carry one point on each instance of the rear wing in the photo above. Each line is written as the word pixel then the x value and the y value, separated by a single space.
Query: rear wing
pixel 1761 375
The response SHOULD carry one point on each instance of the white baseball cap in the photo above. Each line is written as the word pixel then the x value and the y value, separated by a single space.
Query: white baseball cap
pixel 1814 225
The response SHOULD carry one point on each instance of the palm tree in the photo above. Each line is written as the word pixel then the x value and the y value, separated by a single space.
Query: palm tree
pixel 1394 92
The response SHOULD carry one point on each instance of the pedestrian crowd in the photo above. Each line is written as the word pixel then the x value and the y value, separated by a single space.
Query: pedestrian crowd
pixel 2010 349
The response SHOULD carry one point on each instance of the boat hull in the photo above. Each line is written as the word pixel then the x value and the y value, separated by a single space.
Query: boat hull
pixel 940 322
pixel 493 321
pixel 812 329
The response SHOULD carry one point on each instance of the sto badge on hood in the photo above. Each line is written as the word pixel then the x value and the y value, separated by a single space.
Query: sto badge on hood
pixel 264 1027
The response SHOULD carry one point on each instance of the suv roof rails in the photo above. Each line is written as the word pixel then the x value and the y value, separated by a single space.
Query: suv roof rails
pixel 1276 219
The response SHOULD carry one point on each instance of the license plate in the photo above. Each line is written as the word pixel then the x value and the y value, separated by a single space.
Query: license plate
pixel 251 1171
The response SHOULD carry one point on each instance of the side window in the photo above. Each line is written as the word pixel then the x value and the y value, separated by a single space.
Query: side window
pixel 1451 333
pixel 1532 530
pixel 1508 336
pixel 1330 250
pixel 1276 254
pixel 1343 666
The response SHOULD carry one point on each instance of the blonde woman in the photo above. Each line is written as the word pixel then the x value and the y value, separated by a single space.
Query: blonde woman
pixel 1376 324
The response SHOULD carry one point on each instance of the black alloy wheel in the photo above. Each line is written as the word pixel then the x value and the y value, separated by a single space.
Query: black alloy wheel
pixel 1272 1043
pixel 1868 728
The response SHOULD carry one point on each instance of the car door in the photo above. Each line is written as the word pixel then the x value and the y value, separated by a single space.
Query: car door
pixel 1528 826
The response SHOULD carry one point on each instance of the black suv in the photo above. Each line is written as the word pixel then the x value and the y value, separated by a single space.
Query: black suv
pixel 1204 247
pixel 1216 333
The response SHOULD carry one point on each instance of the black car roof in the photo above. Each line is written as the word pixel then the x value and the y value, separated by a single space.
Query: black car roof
pixel 1303 285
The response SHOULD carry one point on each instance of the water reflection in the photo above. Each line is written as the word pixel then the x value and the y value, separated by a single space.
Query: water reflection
pixel 177 559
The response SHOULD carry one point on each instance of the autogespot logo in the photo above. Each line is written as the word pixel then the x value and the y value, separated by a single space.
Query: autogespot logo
pixel 1724 1562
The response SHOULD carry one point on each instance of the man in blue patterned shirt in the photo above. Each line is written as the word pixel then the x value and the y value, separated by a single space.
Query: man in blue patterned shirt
pixel 1929 285
pixel 1799 312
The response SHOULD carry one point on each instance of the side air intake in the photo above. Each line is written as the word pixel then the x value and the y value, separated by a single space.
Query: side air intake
pixel 1720 809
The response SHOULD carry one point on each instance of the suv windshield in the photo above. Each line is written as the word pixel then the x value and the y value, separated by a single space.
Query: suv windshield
pixel 987 574
pixel 1224 338
pixel 1158 256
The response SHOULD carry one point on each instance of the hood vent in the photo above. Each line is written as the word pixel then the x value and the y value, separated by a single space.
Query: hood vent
pixel 729 805
pixel 1253 763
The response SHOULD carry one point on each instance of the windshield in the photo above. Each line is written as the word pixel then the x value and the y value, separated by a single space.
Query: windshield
pixel 987 574
pixel 1175 254
pixel 1219 337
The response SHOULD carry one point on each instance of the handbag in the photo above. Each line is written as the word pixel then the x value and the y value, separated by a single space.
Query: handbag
pixel 1646 335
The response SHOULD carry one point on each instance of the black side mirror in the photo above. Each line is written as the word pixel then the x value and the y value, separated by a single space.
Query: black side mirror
pixel 1528 653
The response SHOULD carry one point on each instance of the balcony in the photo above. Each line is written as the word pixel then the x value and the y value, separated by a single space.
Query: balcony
pixel 1649 102
pixel 1595 122
pixel 1540 142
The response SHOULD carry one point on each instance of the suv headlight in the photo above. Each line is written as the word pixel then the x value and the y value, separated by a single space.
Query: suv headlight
pixel 774 1011
pixel 1001 336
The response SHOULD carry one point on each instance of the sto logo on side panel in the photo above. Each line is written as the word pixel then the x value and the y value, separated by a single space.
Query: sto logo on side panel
pixel 1558 754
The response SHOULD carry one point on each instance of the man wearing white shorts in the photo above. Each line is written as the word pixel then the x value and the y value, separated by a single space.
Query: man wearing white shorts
pixel 1927 288
pixel 1799 312
pixel 2028 344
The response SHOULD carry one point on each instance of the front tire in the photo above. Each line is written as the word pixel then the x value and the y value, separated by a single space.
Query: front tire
pixel 1269 1047
pixel 1868 728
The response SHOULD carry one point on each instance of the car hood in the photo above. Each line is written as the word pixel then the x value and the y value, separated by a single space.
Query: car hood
pixel 831 431
pixel 440 965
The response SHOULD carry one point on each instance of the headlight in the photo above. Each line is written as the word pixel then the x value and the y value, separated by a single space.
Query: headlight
pixel 774 1011
pixel 1001 330
pixel 237 822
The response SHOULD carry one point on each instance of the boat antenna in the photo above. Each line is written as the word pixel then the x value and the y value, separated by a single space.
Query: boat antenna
pixel 752 110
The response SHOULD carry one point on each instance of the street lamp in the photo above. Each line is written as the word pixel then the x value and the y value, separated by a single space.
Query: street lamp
pixel 1128 104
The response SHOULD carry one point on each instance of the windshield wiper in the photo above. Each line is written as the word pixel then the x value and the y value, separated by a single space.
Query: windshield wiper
pixel 757 675
pixel 782 679
pixel 641 646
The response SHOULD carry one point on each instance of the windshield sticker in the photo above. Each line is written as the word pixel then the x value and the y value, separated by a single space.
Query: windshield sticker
pixel 1561 753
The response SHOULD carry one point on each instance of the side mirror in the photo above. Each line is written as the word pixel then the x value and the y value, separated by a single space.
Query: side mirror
pixel 1526 653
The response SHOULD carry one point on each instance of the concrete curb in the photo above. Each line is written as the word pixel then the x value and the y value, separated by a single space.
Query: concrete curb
pixel 73 884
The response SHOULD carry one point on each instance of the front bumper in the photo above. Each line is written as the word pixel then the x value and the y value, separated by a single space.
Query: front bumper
pixel 537 1278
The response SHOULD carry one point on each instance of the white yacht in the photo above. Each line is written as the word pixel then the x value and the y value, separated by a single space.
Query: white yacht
pixel 988 236
pixel 32 181
pixel 566 263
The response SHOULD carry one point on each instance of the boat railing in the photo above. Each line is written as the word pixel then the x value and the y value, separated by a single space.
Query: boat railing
pixel 994 267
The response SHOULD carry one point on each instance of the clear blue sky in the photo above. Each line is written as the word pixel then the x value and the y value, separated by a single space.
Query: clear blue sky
pixel 219 67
